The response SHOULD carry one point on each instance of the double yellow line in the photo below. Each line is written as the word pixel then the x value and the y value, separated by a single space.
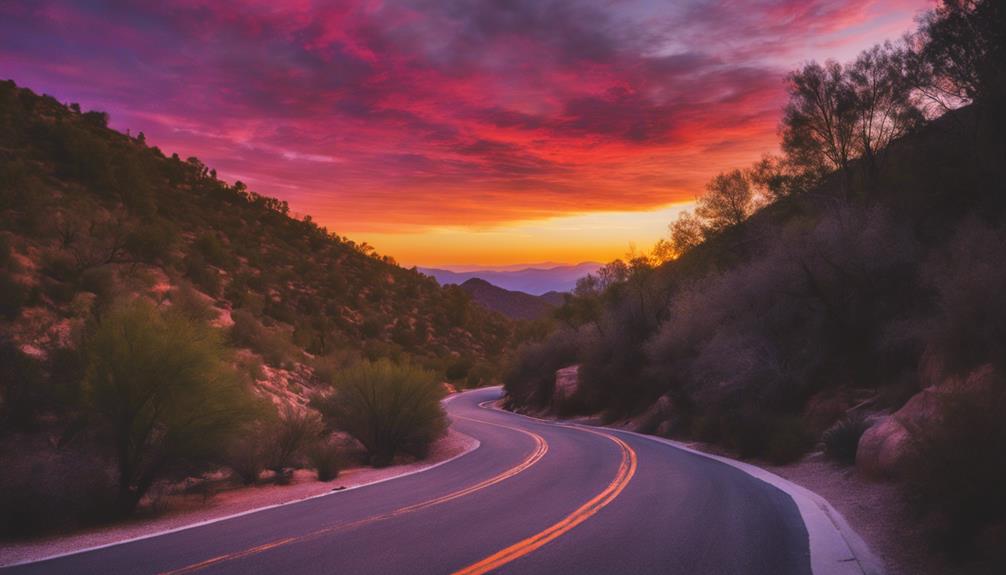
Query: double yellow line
pixel 541 447
pixel 626 470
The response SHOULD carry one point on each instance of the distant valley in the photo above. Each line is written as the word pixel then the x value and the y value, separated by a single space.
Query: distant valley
pixel 531 279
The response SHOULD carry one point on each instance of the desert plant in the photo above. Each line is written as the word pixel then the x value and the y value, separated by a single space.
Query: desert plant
pixel 389 408
pixel 842 439
pixel 190 303
pixel 160 382
pixel 288 437
pixel 325 456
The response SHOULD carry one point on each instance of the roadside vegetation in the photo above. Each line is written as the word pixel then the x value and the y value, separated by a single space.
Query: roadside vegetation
pixel 829 283
pixel 161 328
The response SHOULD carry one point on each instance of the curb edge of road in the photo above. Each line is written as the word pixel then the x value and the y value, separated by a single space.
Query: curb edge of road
pixel 835 547
pixel 447 399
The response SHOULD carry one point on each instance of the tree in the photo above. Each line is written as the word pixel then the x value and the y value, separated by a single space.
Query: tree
pixel 686 233
pixel 774 177
pixel 160 383
pixel 389 408
pixel 727 202
pixel 963 47
pixel 882 98
pixel 819 123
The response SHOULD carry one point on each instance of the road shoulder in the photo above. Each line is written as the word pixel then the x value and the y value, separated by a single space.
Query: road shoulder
pixel 229 504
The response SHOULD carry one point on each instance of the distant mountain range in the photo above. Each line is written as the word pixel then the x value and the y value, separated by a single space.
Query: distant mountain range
pixel 531 280
pixel 512 304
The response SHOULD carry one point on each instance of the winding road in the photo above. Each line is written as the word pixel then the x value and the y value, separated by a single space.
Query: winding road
pixel 535 497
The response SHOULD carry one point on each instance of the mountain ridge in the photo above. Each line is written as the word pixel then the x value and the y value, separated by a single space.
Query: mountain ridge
pixel 533 281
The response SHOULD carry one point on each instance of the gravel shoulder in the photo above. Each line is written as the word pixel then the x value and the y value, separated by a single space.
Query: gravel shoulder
pixel 189 510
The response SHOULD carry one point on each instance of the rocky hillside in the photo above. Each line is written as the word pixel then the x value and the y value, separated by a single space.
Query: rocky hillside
pixel 91 215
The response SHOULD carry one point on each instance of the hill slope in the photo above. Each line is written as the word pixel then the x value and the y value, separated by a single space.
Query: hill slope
pixel 512 304
pixel 90 215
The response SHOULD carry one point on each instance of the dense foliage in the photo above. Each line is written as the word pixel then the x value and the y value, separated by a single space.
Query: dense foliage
pixel 860 267
pixel 389 408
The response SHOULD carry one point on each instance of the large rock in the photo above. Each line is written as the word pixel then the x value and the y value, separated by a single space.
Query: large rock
pixel 567 381
pixel 884 447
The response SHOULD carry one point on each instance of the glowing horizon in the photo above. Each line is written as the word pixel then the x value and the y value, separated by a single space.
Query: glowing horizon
pixel 459 133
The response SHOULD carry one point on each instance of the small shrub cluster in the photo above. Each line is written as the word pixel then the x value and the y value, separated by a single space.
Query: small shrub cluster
pixel 841 440
pixel 389 408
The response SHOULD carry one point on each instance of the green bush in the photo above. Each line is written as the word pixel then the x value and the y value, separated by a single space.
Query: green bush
pixel 389 408
pixel 325 457
pixel 168 397
pixel 274 347
pixel 842 440
pixel 187 301
pixel 294 430
pixel 202 274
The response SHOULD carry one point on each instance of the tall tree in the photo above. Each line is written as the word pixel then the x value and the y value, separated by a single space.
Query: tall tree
pixel 819 123
pixel 882 99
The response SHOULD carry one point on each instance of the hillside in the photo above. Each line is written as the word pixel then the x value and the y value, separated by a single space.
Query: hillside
pixel 512 304
pixel 89 211
pixel 845 297
pixel 531 280
pixel 157 324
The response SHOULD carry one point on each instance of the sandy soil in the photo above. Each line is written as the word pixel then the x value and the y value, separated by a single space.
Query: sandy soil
pixel 187 510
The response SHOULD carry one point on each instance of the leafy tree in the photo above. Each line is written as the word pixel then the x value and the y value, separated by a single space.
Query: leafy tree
pixel 883 102
pixel 160 383
pixel 686 232
pixel 728 201
pixel 819 123
pixel 389 408
pixel 963 49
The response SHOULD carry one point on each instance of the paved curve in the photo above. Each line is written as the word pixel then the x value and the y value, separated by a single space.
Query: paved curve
pixel 535 497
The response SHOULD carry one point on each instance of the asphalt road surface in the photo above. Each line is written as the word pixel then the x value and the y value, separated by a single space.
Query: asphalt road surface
pixel 535 497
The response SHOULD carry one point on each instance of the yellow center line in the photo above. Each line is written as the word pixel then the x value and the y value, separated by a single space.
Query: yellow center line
pixel 626 470
pixel 541 447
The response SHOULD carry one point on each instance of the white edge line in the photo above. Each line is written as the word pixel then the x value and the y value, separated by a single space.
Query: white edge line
pixel 478 444
pixel 835 548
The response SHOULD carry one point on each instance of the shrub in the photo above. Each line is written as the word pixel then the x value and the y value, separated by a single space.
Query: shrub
pixel 790 440
pixel 273 346
pixel 190 303
pixel 530 378
pixel 165 392
pixel 20 386
pixel 289 436
pixel 957 469
pixel 842 440
pixel 245 454
pixel 202 274
pixel 152 242
pixel 13 295
pixel 325 457
pixel 389 408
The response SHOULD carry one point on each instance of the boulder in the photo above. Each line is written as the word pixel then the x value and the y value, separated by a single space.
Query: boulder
pixel 567 381
pixel 884 447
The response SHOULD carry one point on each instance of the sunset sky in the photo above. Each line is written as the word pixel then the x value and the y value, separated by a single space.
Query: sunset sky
pixel 449 132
